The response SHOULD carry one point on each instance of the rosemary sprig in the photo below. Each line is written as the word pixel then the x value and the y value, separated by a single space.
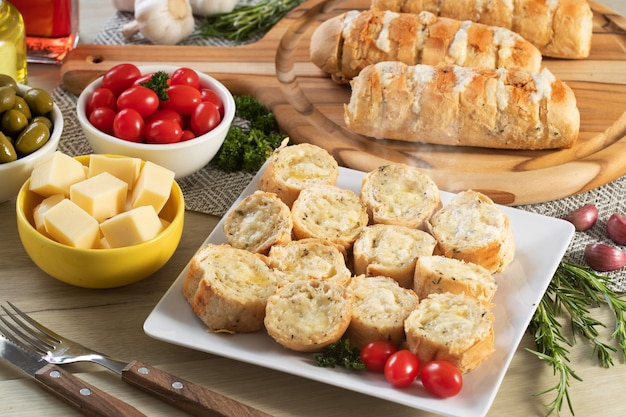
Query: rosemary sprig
pixel 247 21
pixel 573 290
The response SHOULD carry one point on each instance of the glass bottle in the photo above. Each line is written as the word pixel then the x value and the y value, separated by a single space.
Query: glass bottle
pixel 51 28
pixel 12 44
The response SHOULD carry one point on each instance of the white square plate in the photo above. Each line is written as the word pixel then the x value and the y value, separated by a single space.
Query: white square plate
pixel 540 244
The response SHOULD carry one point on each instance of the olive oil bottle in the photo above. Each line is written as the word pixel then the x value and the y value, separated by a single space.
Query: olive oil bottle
pixel 12 43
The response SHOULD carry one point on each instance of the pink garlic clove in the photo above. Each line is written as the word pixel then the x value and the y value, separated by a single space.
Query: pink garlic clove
pixel 616 228
pixel 602 257
pixel 583 218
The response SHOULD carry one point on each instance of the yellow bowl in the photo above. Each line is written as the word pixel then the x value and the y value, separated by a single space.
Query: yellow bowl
pixel 99 268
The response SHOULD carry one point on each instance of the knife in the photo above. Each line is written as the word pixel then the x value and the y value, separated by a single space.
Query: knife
pixel 86 398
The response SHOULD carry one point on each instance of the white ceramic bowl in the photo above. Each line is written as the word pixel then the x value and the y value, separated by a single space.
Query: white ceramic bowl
pixel 184 158
pixel 14 174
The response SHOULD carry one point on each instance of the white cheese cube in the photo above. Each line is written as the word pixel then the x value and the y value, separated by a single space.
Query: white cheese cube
pixel 69 224
pixel 102 196
pixel 153 186
pixel 126 168
pixel 55 175
pixel 131 227
pixel 41 208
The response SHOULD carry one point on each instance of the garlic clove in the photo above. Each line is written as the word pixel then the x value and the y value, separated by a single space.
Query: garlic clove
pixel 616 228
pixel 602 257
pixel 583 218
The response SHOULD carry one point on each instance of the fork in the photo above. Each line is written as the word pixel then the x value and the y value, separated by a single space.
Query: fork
pixel 56 349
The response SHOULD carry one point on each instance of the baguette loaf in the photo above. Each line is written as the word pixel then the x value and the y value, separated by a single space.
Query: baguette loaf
pixel 452 327
pixel 345 44
pixel 453 105
pixel 472 228
pixel 558 28
pixel 308 315
pixel 399 194
pixel 391 251
pixel 228 288
pixel 379 309
pixel 309 258
pixel 439 274
pixel 259 221
pixel 292 168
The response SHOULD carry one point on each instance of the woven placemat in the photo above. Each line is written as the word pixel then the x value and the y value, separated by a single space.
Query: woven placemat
pixel 213 191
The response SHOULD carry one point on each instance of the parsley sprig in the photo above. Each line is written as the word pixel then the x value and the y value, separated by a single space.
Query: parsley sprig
pixel 573 290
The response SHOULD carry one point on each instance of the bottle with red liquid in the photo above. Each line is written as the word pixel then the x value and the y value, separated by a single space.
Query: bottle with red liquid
pixel 51 28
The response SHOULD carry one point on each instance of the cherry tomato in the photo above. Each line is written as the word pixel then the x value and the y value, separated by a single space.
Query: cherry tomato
pixel 142 99
pixel 375 354
pixel 165 114
pixel 129 125
pixel 187 134
pixel 144 78
pixel 163 131
pixel 102 119
pixel 101 97
pixel 402 368
pixel 185 76
pixel 204 118
pixel 442 378
pixel 182 99
pixel 120 77
pixel 212 97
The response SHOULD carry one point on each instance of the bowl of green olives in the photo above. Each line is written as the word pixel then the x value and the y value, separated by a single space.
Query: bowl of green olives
pixel 30 130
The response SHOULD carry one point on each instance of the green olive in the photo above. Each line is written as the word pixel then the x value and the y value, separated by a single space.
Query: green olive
pixel 39 101
pixel 7 98
pixel 44 120
pixel 20 104
pixel 32 138
pixel 9 81
pixel 13 122
pixel 7 151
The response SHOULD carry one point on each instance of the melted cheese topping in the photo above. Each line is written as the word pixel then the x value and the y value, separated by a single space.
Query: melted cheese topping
pixel 458 47
pixel 383 42
pixel 543 85
pixel 348 22
pixel 463 76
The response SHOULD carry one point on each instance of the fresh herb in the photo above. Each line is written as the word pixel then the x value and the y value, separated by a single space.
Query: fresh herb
pixel 247 146
pixel 340 353
pixel 575 289
pixel 158 84
pixel 247 21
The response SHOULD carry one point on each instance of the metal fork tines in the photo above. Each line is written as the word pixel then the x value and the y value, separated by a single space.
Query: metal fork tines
pixel 54 348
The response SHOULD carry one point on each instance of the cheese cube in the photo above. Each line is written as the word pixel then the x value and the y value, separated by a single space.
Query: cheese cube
pixel 55 175
pixel 44 206
pixel 102 196
pixel 153 186
pixel 131 227
pixel 69 224
pixel 126 168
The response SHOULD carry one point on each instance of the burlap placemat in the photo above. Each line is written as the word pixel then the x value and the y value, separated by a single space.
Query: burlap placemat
pixel 213 191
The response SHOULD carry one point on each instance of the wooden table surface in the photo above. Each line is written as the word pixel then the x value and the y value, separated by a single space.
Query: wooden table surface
pixel 111 321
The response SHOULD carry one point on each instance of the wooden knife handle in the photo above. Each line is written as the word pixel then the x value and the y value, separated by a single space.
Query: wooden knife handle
pixel 184 395
pixel 86 398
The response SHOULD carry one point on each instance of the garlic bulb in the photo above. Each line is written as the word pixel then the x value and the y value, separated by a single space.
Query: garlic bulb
pixel 124 5
pixel 162 22
pixel 211 7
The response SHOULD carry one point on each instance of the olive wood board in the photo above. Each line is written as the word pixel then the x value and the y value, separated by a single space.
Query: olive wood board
pixel 309 106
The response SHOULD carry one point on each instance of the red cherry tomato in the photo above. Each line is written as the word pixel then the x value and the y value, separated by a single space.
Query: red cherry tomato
pixel 204 118
pixel 163 131
pixel 375 354
pixel 142 99
pixel 166 114
pixel 101 97
pixel 129 125
pixel 144 78
pixel 102 119
pixel 442 378
pixel 402 368
pixel 182 99
pixel 120 77
pixel 185 76
pixel 187 134
pixel 212 97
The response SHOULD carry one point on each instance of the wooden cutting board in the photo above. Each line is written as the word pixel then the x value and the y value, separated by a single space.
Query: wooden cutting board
pixel 309 107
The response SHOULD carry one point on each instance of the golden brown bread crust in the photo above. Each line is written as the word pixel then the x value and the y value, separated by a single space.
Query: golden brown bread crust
pixel 345 44
pixel 559 28
pixel 452 105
